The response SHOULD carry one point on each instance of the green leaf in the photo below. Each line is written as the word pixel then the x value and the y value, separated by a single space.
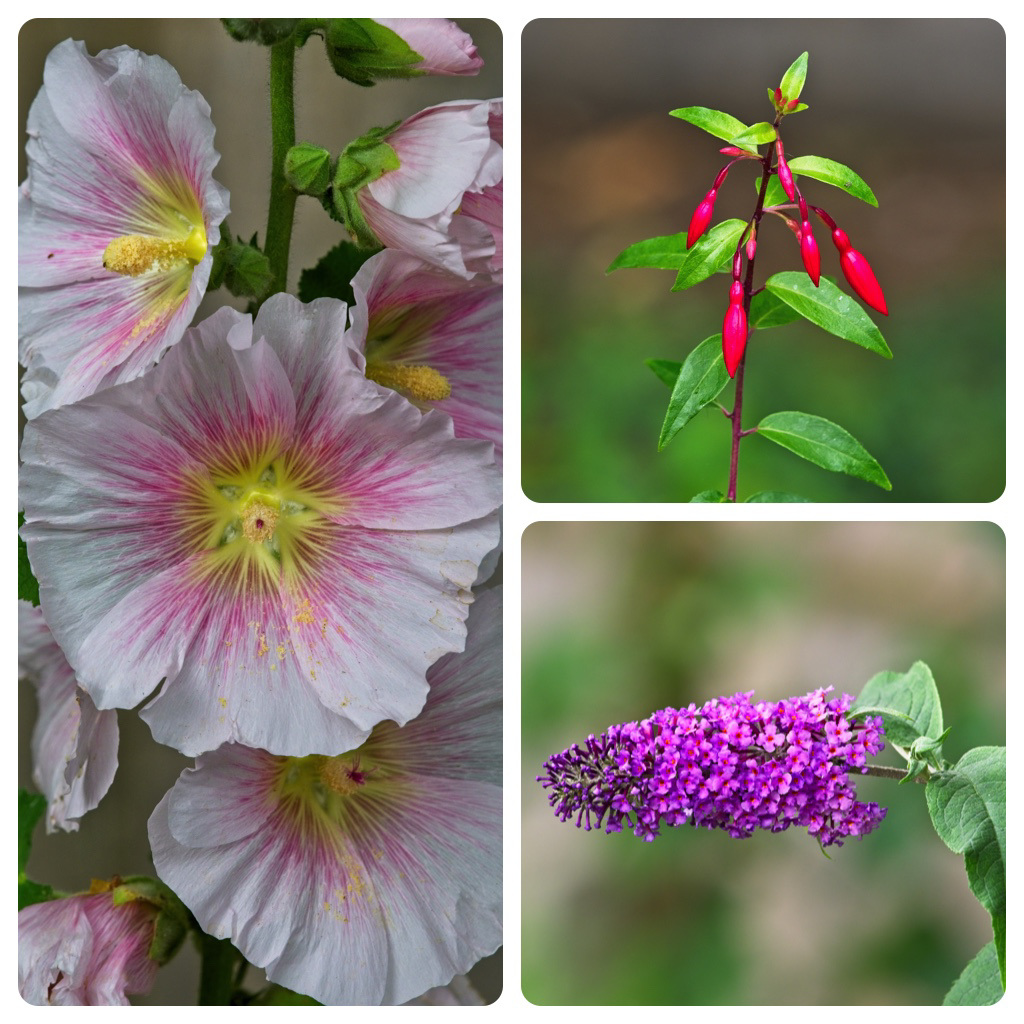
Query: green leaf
pixel 980 983
pixel 833 173
pixel 823 443
pixel 775 194
pixel 768 310
pixel 28 585
pixel 782 496
pixel 754 136
pixel 793 80
pixel 701 379
pixel 829 308
pixel 666 370
pixel 667 252
pixel 31 808
pixel 243 269
pixel 708 497
pixel 715 122
pixel 709 253
pixel 968 809
pixel 332 276
pixel 912 696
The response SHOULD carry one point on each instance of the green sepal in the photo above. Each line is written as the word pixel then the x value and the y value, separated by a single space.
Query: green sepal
pixel 31 808
pixel 172 921
pixel 709 253
pixel 754 136
pixel 823 443
pixel 929 749
pixel 708 497
pixel 362 51
pixel 714 122
pixel 28 585
pixel 829 308
pixel 241 267
pixel 701 379
pixel 307 168
pixel 980 983
pixel 666 370
pixel 779 496
pixel 265 31
pixel 363 160
pixel 793 80
pixel 333 273
pixel 832 172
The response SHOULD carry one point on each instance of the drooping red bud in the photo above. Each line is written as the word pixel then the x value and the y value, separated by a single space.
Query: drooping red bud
pixel 785 175
pixel 734 330
pixel 793 104
pixel 809 252
pixel 734 151
pixel 778 95
pixel 751 245
pixel 701 218
pixel 858 272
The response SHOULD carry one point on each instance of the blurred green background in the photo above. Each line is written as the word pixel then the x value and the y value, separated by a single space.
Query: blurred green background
pixel 916 107
pixel 620 619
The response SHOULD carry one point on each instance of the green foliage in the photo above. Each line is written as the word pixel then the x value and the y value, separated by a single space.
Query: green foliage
pixel 700 381
pixel 980 984
pixel 667 252
pixel 828 308
pixel 333 273
pixel 31 808
pixel 823 443
pixel 768 310
pixel 241 267
pixel 754 136
pixel 666 370
pixel 277 995
pixel 708 497
pixel 28 585
pixel 780 496
pixel 775 194
pixel 363 160
pixel 793 80
pixel 715 122
pixel 709 253
pixel 908 703
pixel 968 809
pixel 833 173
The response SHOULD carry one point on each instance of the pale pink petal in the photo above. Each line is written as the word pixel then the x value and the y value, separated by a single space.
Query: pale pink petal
pixel 444 47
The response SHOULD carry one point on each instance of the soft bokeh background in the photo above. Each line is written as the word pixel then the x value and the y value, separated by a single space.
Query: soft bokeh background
pixel 620 619
pixel 916 107
pixel 232 77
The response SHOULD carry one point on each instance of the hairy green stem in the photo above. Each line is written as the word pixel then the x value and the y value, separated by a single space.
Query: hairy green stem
pixel 281 213
pixel 216 973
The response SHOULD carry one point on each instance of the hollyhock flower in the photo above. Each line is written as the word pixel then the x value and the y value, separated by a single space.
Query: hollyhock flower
pixel 117 221
pixel 97 948
pixel 286 544
pixel 433 337
pixel 443 202
pixel 444 47
pixel 364 878
pixel 74 746
pixel 724 766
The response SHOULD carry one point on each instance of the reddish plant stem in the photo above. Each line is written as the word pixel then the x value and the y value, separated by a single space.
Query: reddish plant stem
pixel 736 416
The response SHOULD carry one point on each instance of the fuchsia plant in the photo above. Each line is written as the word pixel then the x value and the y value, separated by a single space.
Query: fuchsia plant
pixel 783 298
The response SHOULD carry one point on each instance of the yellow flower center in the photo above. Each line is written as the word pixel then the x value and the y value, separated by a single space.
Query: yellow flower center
pixel 421 383
pixel 134 255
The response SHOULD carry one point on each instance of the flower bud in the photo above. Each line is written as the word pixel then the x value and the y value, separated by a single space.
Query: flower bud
pixel 701 218
pixel 307 168
pixel 785 175
pixel 858 272
pixel 733 151
pixel 734 329
pixel 809 253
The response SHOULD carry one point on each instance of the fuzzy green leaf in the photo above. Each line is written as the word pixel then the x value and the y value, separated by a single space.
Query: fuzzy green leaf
pixel 913 696
pixel 980 983
pixel 333 273
pixel 666 252
pixel 709 253
pixel 833 173
pixel 701 379
pixel 829 308
pixel 714 122
pixel 824 443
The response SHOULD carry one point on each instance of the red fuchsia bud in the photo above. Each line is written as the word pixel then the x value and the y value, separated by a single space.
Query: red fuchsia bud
pixel 701 218
pixel 734 329
pixel 809 253
pixel 859 273
pixel 792 104
pixel 785 175
pixel 778 95
pixel 751 246
pixel 733 151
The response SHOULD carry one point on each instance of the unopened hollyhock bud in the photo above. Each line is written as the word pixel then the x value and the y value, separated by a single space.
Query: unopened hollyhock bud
pixel 785 175
pixel 730 764
pixel 734 329
pixel 859 273
pixel 701 217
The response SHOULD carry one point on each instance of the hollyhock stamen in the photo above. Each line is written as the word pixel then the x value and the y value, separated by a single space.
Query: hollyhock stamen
pixel 134 255
pixel 420 383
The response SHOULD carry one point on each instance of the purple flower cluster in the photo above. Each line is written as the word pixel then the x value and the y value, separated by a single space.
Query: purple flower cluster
pixel 730 764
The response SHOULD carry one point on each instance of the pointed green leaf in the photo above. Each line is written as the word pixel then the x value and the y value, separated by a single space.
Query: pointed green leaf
pixel 968 809
pixel 832 310
pixel 823 443
pixel 833 173
pixel 333 273
pixel 708 497
pixel 709 253
pixel 912 696
pixel 980 983
pixel 768 310
pixel 715 122
pixel 754 136
pixel 775 194
pixel 796 109
pixel 782 496
pixel 666 370
pixel 701 379
pixel 793 80
pixel 666 252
